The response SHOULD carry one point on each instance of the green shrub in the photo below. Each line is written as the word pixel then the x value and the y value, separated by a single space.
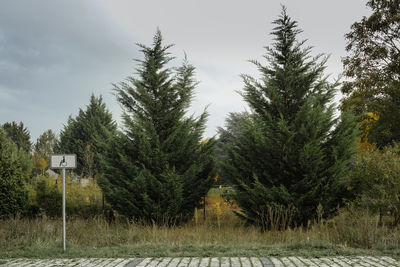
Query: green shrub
pixel 13 166
pixel 375 180
pixel 49 198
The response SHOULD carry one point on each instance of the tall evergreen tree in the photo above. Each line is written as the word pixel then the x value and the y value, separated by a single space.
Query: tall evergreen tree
pixel 18 134
pixel 158 169
pixel 235 123
pixel 84 134
pixel 44 145
pixel 293 152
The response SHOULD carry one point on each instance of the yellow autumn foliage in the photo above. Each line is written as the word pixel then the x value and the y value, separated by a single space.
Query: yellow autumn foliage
pixel 368 122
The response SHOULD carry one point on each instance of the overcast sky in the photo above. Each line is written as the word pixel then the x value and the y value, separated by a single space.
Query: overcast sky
pixel 55 54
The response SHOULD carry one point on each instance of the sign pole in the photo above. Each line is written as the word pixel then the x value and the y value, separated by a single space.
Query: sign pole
pixel 63 208
pixel 63 162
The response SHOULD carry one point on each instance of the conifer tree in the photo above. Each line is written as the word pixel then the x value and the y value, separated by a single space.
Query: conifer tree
pixel 44 145
pixel 158 169
pixel 84 134
pixel 293 151
pixel 19 134
pixel 13 193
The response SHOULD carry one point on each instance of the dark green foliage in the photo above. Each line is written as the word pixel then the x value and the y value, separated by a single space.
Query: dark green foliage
pixel 234 126
pixel 373 66
pixel 159 168
pixel 13 194
pixel 293 151
pixel 82 136
pixel 19 134
pixel 49 198
pixel 45 144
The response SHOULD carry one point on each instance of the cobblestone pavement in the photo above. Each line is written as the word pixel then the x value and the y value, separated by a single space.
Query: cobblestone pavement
pixel 361 261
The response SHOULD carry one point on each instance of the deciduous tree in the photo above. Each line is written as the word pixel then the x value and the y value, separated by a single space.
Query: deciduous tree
pixel 373 69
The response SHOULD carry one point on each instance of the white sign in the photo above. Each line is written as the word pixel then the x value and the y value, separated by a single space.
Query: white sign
pixel 63 161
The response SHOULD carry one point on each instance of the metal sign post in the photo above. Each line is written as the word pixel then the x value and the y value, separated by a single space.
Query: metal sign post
pixel 63 162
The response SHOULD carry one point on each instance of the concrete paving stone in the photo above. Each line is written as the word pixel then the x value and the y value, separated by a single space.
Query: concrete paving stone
pixel 377 260
pixel 93 263
pixel 353 261
pixel 287 262
pixel 214 262
pixel 123 263
pixel 329 262
pixel 25 262
pixel 82 262
pixel 174 262
pixel 164 262
pixel 115 262
pixel 204 262
pixel 245 262
pixel 340 262
pixel 297 261
pixel 319 263
pixel 35 263
pixel 55 262
pixel 360 261
pixel 225 262
pixel 347 260
pixel 370 262
pixel 276 262
pixel 184 262
pixel 134 262
pixel 70 263
pixel 266 262
pixel 255 262
pixel 235 262
pixel 154 262
pixel 308 262
pixel 390 260
pixel 194 262
pixel 144 262
pixel 104 263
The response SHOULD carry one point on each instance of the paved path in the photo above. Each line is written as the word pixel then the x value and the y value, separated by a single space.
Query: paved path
pixel 361 261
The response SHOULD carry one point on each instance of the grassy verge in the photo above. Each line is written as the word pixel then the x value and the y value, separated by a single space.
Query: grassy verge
pixel 220 233
pixel 287 249
pixel 41 238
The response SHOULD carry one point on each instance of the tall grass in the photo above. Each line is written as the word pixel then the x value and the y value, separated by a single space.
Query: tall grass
pixel 220 229
pixel 350 228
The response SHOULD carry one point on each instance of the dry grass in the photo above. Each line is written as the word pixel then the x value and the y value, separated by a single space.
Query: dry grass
pixel 221 233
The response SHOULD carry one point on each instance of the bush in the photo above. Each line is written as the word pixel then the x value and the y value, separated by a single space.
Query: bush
pixel 375 180
pixel 46 196
pixel 49 198
pixel 13 193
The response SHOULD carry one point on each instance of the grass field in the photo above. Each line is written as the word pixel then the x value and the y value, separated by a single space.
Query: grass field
pixel 220 234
